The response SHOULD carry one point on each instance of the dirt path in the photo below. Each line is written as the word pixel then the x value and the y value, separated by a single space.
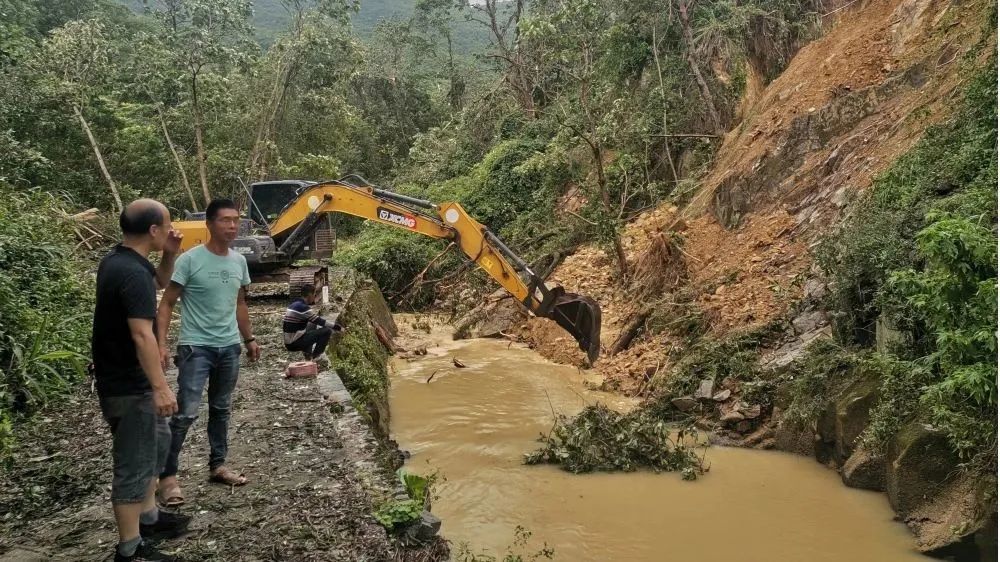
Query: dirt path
pixel 309 498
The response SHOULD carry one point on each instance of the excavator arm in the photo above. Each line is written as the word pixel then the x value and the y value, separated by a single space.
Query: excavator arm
pixel 579 315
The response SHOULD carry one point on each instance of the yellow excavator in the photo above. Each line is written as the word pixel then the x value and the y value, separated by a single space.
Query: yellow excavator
pixel 291 234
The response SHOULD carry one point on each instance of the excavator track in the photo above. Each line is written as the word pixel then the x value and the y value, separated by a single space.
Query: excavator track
pixel 301 278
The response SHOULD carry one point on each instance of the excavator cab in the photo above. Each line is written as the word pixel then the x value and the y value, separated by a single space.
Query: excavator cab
pixel 269 199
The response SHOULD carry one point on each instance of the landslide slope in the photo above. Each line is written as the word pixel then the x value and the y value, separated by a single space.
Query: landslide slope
pixel 847 106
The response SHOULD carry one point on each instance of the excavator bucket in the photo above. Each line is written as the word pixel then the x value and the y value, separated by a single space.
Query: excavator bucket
pixel 581 317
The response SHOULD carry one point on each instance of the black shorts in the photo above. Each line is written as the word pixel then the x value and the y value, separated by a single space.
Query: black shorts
pixel 141 440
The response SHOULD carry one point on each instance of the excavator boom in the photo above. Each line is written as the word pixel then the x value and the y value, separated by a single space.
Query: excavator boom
pixel 578 315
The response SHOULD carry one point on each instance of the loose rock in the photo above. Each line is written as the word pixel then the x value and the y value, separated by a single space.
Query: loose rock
pixel 684 403
pixel 705 390
pixel 733 416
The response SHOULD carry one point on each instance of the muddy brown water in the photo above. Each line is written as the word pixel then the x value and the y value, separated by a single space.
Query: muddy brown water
pixel 473 425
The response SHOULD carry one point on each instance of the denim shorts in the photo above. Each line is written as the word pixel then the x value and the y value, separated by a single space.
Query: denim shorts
pixel 140 442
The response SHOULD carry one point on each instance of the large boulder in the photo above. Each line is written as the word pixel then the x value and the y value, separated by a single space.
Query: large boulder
pixel 853 413
pixel 919 462
pixel 865 470
pixel 960 521
pixel 792 438
pixel 844 419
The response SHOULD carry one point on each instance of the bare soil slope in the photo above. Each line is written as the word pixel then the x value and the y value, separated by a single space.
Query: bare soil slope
pixel 846 107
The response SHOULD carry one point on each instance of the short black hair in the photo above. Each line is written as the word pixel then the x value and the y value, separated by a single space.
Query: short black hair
pixel 136 222
pixel 217 205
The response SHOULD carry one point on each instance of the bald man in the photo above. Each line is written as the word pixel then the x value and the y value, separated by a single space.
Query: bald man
pixel 133 392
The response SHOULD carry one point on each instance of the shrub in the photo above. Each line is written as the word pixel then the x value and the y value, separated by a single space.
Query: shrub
pixel 955 297
pixel 45 303
pixel 393 258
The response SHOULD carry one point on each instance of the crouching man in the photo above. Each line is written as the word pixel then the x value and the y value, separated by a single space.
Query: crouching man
pixel 307 331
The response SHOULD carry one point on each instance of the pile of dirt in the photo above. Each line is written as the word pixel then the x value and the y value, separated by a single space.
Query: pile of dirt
pixel 308 498
pixel 749 276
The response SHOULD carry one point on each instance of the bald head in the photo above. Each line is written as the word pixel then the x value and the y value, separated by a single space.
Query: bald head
pixel 140 215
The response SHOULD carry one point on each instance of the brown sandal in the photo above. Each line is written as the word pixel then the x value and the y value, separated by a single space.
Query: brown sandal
pixel 171 496
pixel 223 475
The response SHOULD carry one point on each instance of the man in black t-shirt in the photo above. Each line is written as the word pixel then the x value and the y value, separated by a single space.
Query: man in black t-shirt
pixel 133 392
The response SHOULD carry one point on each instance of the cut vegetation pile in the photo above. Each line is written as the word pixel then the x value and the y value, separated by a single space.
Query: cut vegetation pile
pixel 600 439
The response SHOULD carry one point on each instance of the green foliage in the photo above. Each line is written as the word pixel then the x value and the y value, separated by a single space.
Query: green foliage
pixel 902 383
pixel 394 514
pixel 954 296
pixel 920 250
pixel 735 356
pixel 819 374
pixel 360 359
pixel 392 257
pixel 603 440
pixel 45 294
pixel 397 514
pixel 417 487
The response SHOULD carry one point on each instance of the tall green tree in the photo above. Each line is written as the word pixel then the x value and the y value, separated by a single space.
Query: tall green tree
pixel 310 21
pixel 205 36
pixel 75 61
pixel 434 18
pixel 572 36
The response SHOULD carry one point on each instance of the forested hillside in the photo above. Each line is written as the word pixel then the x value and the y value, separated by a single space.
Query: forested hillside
pixel 699 166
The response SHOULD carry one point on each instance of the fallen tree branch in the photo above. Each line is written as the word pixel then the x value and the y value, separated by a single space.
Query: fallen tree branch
pixel 418 280
pixel 630 332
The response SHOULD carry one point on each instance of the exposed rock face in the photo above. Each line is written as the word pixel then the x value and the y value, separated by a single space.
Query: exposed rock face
pixel 865 470
pixel 919 462
pixel 360 358
pixel 844 419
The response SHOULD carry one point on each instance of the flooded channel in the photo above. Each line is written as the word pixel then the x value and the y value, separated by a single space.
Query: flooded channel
pixel 473 425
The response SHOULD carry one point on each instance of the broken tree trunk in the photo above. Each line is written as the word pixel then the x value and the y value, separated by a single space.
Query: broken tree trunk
pixel 199 143
pixel 689 46
pixel 100 157
pixel 177 159
pixel 630 332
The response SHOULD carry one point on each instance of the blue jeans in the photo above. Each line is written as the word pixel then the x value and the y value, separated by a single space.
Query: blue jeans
pixel 196 365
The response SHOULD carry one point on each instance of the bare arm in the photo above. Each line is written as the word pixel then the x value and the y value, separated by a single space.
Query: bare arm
pixel 243 322
pixel 163 315
pixel 146 349
pixel 165 270
pixel 171 249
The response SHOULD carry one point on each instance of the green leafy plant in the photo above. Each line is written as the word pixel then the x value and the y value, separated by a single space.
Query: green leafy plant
pixel 397 514
pixel 955 298
pixel 417 487
pixel 45 300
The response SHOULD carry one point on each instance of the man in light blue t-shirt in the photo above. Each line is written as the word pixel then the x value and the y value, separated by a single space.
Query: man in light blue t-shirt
pixel 211 282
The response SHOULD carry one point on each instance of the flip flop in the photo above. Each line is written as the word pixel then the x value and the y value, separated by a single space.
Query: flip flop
pixel 224 475
pixel 171 497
